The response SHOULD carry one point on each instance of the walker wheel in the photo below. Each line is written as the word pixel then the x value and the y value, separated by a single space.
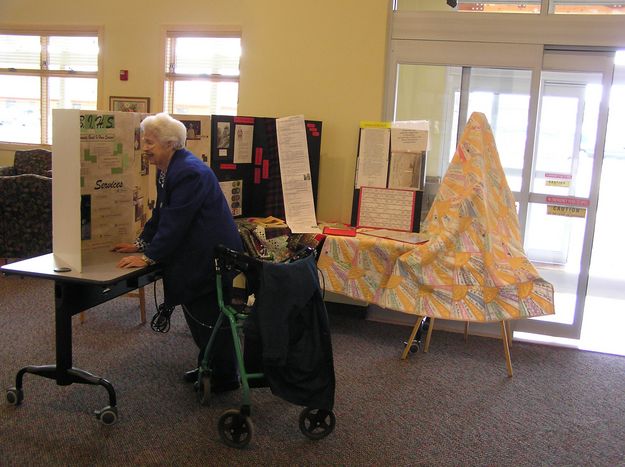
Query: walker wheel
pixel 235 429
pixel 15 396
pixel 204 389
pixel 107 416
pixel 316 423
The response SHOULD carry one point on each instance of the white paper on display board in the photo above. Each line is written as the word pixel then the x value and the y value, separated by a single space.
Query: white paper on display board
pixel 243 135
pixel 373 157
pixel 299 206
pixel 386 208
pixel 233 192
pixel 410 136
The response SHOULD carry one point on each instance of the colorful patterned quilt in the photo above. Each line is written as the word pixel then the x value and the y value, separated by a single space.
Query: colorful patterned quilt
pixel 473 266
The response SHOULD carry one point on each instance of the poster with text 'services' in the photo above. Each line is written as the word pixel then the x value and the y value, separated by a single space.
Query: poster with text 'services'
pixel 110 167
pixel 99 190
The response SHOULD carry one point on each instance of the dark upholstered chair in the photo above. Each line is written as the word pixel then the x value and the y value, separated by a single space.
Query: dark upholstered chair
pixel 26 205
pixel 32 161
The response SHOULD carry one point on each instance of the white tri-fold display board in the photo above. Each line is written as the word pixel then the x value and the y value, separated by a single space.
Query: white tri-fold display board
pixel 100 182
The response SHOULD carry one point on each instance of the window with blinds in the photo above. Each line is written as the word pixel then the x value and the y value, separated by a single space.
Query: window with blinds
pixel 202 73
pixel 575 7
pixel 39 73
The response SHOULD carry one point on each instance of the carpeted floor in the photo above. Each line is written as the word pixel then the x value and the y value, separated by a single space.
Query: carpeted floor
pixel 452 406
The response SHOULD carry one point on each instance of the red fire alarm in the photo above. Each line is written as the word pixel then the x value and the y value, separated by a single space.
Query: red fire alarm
pixel 123 75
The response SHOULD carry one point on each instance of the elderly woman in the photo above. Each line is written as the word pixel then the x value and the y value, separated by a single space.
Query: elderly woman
pixel 190 218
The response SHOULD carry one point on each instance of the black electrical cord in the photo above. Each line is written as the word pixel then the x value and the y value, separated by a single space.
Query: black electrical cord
pixel 187 312
pixel 161 319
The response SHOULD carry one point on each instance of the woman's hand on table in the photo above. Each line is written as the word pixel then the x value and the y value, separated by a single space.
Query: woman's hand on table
pixel 125 248
pixel 129 261
pixel 132 262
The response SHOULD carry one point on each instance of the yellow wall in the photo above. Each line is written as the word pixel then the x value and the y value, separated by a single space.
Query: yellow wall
pixel 322 59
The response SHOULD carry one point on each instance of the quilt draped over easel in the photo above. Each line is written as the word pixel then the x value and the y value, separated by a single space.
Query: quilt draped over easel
pixel 473 266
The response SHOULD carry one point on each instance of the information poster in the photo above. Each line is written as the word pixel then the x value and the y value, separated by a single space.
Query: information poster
pixel 243 135
pixel 373 154
pixel 299 206
pixel 233 191
pixel 198 134
pixel 386 208
pixel 109 172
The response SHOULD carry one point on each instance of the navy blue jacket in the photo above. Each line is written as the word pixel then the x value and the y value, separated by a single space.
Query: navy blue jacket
pixel 290 322
pixel 190 218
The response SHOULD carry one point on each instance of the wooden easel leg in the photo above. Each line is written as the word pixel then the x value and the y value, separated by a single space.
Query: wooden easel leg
pixel 506 349
pixel 509 332
pixel 428 336
pixel 466 331
pixel 415 329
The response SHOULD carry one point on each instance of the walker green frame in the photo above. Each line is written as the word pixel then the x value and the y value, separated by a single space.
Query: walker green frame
pixel 235 426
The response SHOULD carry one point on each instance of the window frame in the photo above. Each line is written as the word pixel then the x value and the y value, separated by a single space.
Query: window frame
pixel 170 34
pixel 44 73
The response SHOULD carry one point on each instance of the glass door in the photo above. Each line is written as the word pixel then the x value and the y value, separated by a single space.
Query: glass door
pixel 564 182
pixel 549 118
pixel 604 311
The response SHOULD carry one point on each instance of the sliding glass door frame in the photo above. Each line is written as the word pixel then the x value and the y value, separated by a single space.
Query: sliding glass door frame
pixel 581 61
pixel 536 58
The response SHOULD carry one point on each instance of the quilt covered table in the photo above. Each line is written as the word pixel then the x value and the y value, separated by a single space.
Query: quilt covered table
pixel 472 268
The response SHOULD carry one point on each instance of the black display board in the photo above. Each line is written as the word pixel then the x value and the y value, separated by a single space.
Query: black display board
pixel 262 185
pixel 418 193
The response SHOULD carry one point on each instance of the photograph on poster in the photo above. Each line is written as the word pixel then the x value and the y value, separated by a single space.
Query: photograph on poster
pixel 405 170
pixel 137 200
pixel 85 217
pixel 145 164
pixel 194 128
pixel 137 138
pixel 223 135
pixel 233 191
pixel 129 104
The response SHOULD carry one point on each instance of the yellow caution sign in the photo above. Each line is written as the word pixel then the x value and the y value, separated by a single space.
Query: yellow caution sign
pixel 557 182
pixel 566 211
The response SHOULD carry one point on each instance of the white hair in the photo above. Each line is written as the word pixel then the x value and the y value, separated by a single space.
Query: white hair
pixel 166 129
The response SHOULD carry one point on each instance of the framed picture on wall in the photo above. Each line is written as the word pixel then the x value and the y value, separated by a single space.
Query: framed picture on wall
pixel 129 104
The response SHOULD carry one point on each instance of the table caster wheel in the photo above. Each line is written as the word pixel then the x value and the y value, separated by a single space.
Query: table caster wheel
pixel 235 429
pixel 316 423
pixel 15 396
pixel 204 389
pixel 108 415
